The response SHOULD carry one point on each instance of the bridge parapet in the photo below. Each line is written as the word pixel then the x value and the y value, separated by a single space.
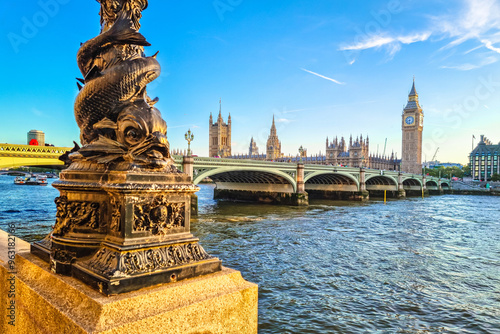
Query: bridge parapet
pixel 12 149
pixel 12 155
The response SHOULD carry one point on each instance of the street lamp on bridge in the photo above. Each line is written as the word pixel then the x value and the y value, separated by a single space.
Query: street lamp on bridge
pixel 301 151
pixel 189 138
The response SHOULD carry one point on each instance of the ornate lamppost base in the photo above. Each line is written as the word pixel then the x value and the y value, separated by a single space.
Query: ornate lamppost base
pixel 144 267
pixel 119 231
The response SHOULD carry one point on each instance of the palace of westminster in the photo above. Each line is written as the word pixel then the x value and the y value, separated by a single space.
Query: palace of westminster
pixel 355 153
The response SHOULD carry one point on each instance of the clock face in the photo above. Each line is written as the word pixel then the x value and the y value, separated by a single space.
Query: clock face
pixel 409 120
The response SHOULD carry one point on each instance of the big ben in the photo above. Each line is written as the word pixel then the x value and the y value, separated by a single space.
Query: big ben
pixel 412 127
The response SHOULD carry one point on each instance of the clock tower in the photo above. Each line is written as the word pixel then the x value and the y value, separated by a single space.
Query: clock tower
pixel 412 127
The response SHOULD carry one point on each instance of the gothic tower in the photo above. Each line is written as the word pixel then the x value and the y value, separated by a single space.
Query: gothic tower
pixel 273 144
pixel 359 152
pixel 412 127
pixel 219 136
pixel 253 149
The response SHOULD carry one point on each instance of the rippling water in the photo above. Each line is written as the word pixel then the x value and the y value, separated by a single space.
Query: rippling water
pixel 411 266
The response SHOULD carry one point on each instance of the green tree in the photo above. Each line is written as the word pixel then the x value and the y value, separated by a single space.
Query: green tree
pixel 466 170
pixel 445 172
pixel 495 177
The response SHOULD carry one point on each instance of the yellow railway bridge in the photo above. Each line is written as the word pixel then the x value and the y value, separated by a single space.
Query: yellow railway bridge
pixel 28 155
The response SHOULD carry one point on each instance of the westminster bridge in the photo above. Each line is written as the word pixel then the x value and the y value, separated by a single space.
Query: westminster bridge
pixel 273 182
pixel 290 183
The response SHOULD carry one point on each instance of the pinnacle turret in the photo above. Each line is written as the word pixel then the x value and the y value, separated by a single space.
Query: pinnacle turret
pixel 273 144
pixel 220 109
pixel 413 91
pixel 273 128
pixel 412 98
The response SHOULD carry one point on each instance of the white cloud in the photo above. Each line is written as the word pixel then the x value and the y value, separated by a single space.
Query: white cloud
pixel 374 42
pixel 477 19
pixel 377 41
pixel 187 126
pixel 322 76
pixel 489 45
pixel 284 120
pixel 38 112
pixel 285 111
pixel 469 66
pixel 473 20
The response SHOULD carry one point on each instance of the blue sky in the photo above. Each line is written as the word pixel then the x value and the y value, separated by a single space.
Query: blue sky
pixel 322 67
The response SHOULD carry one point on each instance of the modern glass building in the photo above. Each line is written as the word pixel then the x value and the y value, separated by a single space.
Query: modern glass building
pixel 484 160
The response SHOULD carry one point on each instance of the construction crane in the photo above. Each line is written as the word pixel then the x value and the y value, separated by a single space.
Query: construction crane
pixel 434 157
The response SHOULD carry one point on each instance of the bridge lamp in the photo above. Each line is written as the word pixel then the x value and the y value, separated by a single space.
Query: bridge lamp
pixel 301 151
pixel 189 138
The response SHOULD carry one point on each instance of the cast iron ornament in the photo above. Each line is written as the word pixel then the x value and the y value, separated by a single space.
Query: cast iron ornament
pixel 118 122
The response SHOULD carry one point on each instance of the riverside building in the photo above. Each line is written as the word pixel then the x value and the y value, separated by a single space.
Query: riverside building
pixel 36 137
pixel 484 160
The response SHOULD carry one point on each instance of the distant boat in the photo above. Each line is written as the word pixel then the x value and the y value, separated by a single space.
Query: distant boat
pixel 39 180
pixel 19 180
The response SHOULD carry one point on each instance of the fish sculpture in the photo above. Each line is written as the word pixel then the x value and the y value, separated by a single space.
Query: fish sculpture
pixel 118 121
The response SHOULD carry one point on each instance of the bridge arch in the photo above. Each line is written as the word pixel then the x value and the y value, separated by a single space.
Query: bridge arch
pixel 381 182
pixel 431 183
pixel 331 181
pixel 253 175
pixel 412 183
pixel 445 184
pixel 42 163
pixel 321 176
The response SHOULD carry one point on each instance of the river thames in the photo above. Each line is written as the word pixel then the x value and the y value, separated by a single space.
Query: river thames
pixel 409 266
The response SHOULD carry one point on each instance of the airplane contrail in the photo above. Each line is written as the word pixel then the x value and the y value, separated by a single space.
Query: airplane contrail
pixel 322 76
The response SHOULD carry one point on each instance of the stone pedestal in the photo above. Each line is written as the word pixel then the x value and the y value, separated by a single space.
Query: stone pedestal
pixel 45 302
pixel 119 231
